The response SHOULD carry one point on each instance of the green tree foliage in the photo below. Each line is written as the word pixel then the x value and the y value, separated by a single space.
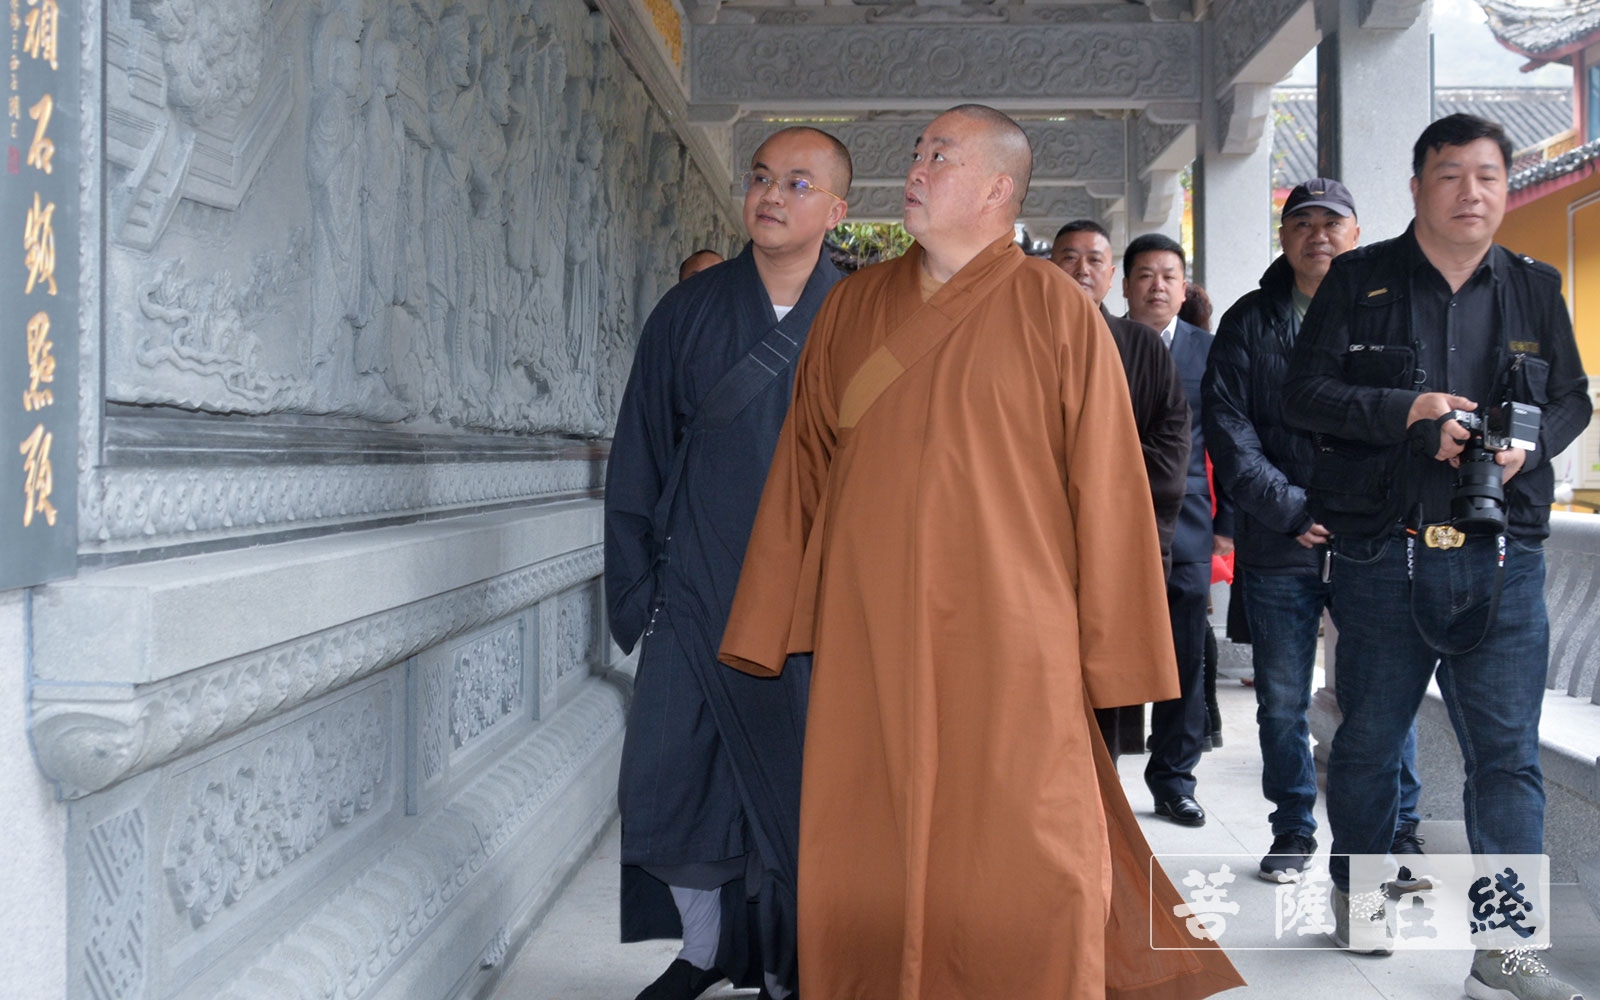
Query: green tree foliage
pixel 854 245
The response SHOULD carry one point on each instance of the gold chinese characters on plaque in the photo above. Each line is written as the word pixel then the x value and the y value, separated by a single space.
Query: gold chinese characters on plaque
pixel 41 149
pixel 41 363
pixel 39 246
pixel 44 28
pixel 40 480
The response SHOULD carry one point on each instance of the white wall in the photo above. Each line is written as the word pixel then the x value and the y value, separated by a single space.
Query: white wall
pixel 33 908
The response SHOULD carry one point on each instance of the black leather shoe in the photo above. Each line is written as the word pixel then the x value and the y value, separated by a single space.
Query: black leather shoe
pixel 681 981
pixel 1406 840
pixel 1183 810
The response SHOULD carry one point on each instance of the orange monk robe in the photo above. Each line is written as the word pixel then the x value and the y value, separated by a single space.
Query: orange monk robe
pixel 973 559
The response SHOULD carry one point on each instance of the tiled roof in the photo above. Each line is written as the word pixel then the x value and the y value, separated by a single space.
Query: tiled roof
pixel 1540 29
pixel 1567 162
pixel 1294 135
pixel 1530 115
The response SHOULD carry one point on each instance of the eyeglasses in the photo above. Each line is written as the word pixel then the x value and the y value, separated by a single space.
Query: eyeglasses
pixel 792 187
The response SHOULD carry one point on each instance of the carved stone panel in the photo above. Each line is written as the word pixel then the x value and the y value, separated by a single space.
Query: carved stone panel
pixel 252 814
pixel 1043 202
pixel 114 890
pixel 1078 150
pixel 577 636
pixel 486 683
pixel 445 213
pixel 815 65
pixel 465 697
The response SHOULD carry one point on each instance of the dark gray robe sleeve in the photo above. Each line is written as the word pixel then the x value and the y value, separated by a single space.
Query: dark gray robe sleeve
pixel 641 454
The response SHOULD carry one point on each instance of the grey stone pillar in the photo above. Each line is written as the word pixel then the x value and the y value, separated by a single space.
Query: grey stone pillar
pixel 1373 55
pixel 1233 193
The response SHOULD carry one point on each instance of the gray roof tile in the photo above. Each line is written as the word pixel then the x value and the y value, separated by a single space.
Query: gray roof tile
pixel 1537 29
pixel 1530 115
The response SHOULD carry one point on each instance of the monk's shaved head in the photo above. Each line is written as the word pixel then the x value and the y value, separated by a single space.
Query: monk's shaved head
pixel 842 170
pixel 1005 143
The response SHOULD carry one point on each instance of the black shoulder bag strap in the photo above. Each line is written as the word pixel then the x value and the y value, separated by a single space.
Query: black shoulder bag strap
pixel 725 401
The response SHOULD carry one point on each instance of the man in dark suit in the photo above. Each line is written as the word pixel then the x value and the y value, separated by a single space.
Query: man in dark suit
pixel 1083 250
pixel 1160 409
pixel 1153 283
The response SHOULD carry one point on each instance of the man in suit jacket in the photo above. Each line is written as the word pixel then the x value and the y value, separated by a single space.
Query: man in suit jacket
pixel 1160 410
pixel 1153 283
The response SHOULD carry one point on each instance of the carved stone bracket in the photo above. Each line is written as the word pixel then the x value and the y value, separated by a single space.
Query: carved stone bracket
pixel 1151 141
pixel 1158 190
pixel 836 66
pixel 1397 14
pixel 1242 117
pixel 89 737
pixel 409 889
pixel 1242 29
pixel 1077 150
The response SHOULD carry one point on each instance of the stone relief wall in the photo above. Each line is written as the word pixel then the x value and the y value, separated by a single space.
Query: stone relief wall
pixel 439 213
pixel 229 873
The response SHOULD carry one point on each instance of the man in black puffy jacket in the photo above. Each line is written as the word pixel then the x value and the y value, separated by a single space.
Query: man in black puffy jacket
pixel 1280 550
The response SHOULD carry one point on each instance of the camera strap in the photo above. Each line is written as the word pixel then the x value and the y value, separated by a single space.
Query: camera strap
pixel 1494 598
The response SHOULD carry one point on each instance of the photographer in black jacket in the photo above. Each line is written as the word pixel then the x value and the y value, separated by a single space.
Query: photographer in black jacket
pixel 1401 336
pixel 1280 549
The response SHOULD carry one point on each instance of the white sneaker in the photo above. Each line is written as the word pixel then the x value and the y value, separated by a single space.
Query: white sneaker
pixel 1515 975
pixel 1371 932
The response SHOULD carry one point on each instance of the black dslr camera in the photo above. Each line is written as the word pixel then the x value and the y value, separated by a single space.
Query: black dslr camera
pixel 1478 506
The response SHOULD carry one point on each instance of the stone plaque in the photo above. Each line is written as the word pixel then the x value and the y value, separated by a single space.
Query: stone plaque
pixel 39 278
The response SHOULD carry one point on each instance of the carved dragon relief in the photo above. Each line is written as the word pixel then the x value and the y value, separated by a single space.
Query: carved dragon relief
pixel 429 212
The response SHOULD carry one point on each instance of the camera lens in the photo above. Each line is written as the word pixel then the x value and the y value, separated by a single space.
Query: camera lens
pixel 1478 506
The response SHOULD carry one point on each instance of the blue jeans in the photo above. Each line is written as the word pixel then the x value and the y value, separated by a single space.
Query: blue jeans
pixel 1285 610
pixel 1493 692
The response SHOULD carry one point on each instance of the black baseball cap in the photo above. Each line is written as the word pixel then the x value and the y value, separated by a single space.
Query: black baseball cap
pixel 1320 192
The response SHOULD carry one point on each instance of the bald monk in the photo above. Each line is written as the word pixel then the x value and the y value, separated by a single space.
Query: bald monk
pixel 697 262
pixel 709 789
pixel 957 523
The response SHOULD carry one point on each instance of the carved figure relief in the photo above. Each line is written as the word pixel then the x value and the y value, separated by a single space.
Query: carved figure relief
pixel 486 684
pixel 259 809
pixel 334 168
pixel 575 631
pixel 483 196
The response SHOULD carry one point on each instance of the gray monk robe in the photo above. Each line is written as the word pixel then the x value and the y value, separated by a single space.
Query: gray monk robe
pixel 700 804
